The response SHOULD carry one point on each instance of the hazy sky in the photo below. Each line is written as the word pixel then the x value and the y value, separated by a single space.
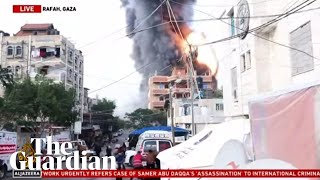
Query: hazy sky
pixel 106 59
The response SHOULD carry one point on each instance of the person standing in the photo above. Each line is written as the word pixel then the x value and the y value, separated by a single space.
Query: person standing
pixel 97 148
pixel 150 159
pixel 137 162
pixel 120 160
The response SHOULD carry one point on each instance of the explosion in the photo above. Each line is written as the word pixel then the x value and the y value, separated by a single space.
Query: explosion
pixel 205 55
pixel 158 40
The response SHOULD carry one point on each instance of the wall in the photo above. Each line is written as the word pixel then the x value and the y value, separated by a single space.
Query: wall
pixel 270 62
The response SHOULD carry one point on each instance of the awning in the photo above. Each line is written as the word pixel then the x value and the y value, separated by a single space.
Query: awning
pixel 206 148
pixel 178 131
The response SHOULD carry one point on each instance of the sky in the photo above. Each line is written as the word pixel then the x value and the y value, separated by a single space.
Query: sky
pixel 106 58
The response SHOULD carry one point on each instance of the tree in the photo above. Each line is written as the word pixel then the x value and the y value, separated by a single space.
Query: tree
pixel 104 105
pixel 42 99
pixel 6 77
pixel 146 117
pixel 102 114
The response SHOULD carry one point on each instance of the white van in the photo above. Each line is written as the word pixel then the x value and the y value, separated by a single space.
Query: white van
pixel 150 140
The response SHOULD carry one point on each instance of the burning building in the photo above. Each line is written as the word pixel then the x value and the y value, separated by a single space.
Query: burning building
pixel 159 31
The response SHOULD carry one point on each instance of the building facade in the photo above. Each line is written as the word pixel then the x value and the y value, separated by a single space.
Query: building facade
pixel 277 55
pixel 40 49
pixel 206 111
pixel 159 87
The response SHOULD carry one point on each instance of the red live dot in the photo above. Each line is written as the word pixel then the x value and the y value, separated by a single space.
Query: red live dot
pixel 26 8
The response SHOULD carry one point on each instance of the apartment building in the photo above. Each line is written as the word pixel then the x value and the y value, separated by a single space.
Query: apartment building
pixel 273 57
pixel 159 87
pixel 40 49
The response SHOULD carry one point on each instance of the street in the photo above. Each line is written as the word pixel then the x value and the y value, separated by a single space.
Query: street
pixel 121 139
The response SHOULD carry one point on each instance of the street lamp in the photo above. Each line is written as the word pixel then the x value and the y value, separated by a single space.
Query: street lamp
pixel 177 81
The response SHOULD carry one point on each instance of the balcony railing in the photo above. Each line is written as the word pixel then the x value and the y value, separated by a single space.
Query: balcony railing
pixel 181 90
pixel 158 103
pixel 160 91
pixel 159 79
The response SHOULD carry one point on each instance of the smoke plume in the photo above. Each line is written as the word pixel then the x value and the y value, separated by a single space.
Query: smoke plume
pixel 159 45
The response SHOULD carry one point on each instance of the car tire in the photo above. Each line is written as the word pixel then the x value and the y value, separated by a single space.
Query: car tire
pixel 131 161
pixel 3 172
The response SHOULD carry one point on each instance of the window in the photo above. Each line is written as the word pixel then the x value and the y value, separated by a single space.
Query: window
pixel 301 39
pixel 206 86
pixel 161 98
pixel 57 51
pixel 18 51
pixel 219 107
pixel 242 63
pixel 234 83
pixel 43 52
pixel 161 86
pixel 232 22
pixel 70 55
pixel 150 145
pixel 76 61
pixel 163 145
pixel 248 60
pixel 245 61
pixel 17 71
pixel 10 51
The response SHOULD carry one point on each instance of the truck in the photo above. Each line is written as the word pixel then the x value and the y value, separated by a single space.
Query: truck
pixel 285 125
pixel 8 145
pixel 154 140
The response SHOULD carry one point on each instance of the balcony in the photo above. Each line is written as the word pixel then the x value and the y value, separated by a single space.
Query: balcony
pixel 160 91
pixel 181 90
pixel 207 79
pixel 159 79
pixel 175 77
pixel 157 104
pixel 56 77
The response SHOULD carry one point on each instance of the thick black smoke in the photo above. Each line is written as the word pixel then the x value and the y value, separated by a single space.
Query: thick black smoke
pixel 160 45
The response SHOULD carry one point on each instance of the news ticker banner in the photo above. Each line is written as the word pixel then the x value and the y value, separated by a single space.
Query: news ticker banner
pixel 168 173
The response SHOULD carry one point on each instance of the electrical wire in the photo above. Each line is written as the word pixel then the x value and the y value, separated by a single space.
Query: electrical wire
pixel 225 5
pixel 280 44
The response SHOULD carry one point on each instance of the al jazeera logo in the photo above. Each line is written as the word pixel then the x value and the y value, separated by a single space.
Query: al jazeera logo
pixel 25 161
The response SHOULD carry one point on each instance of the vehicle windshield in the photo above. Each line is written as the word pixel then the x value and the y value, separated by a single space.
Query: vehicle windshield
pixel 150 145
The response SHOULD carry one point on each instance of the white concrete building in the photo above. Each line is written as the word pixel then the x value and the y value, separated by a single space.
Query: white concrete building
pixel 40 49
pixel 284 53
pixel 206 111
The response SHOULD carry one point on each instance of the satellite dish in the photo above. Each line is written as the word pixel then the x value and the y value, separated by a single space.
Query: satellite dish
pixel 231 155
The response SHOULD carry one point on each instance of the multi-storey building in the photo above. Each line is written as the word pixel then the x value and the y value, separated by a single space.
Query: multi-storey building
pixel 179 83
pixel 159 87
pixel 273 57
pixel 40 49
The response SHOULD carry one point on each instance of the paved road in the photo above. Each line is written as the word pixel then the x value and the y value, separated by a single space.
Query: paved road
pixel 121 139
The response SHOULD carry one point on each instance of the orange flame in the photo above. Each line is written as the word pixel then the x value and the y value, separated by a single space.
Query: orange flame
pixel 205 53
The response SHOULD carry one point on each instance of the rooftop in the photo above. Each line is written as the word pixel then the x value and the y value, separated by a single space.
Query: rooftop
pixel 28 27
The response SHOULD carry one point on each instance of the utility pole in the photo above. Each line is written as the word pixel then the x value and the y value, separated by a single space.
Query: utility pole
pixel 29 56
pixel 192 103
pixel 171 115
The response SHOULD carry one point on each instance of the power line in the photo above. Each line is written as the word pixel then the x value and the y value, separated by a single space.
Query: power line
pixel 280 44
pixel 187 20
pixel 225 5
pixel 146 18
